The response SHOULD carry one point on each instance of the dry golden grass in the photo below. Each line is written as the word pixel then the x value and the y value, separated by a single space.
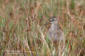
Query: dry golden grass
pixel 23 27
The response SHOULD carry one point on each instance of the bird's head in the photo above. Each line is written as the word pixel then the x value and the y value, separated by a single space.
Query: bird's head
pixel 53 19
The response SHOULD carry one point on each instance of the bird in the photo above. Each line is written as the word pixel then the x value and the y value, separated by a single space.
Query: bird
pixel 56 35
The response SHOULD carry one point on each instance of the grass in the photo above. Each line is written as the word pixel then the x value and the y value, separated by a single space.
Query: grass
pixel 23 28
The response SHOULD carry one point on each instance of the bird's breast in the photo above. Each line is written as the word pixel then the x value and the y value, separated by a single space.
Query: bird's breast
pixel 55 33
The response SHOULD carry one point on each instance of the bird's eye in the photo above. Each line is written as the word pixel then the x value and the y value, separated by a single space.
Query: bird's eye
pixel 52 19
